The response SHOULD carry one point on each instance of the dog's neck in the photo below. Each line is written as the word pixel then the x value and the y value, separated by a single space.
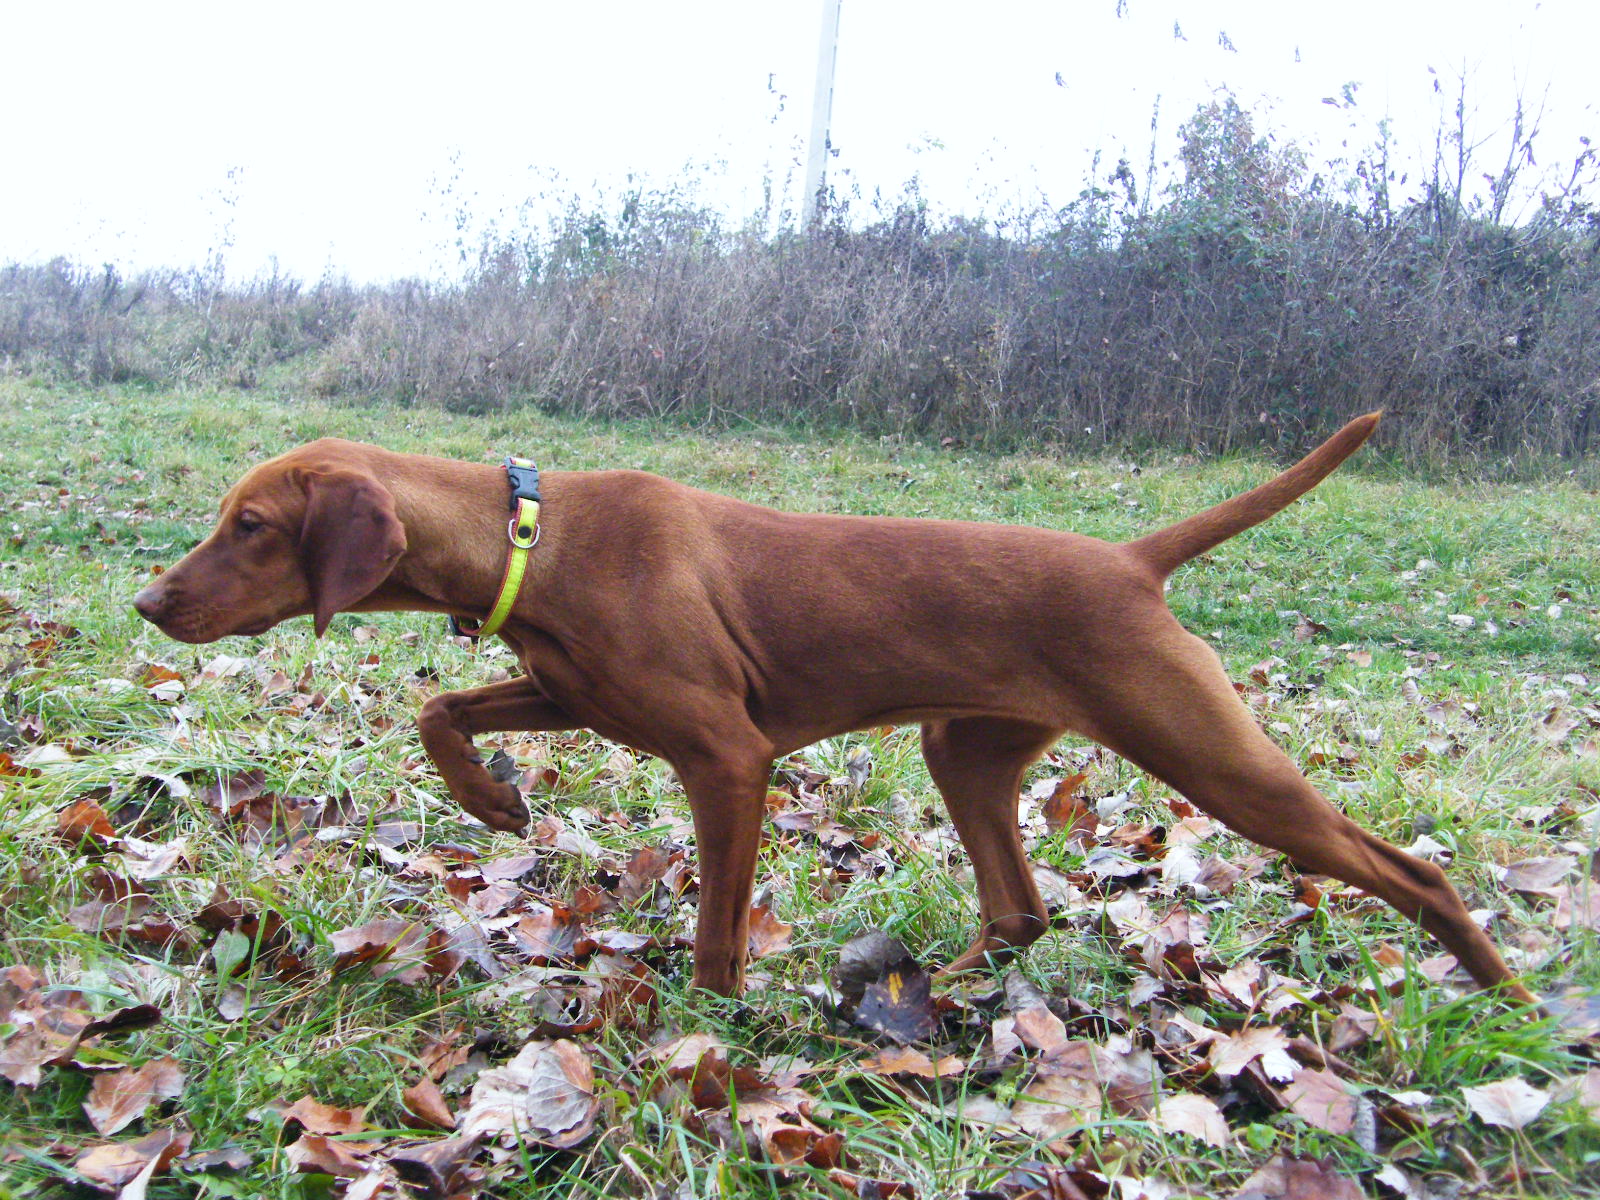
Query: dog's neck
pixel 455 516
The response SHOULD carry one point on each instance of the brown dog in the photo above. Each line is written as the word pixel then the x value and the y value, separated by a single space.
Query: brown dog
pixel 688 625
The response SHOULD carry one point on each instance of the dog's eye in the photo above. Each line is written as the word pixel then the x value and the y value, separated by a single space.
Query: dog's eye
pixel 249 523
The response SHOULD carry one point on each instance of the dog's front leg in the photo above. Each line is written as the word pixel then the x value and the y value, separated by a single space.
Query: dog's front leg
pixel 726 796
pixel 448 723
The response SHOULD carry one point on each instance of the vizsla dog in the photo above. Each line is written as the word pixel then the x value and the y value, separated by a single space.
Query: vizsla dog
pixel 720 636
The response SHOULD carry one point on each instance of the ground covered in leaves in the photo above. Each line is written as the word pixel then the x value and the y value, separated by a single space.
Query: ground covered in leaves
pixel 248 948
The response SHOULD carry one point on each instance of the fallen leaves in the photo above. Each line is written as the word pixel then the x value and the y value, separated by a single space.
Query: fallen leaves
pixel 1539 876
pixel 899 1005
pixel 316 1153
pixel 768 935
pixel 907 1060
pixel 84 820
pixel 49 1026
pixel 566 937
pixel 1065 811
pixel 315 1117
pixel 120 1097
pixel 740 1106
pixel 394 946
pixel 1051 1106
pixel 424 1101
pixel 1264 1043
pixel 545 1094
pixel 1298 1179
pixel 1195 1116
pixel 1510 1103
pixel 129 1166
pixel 1320 1099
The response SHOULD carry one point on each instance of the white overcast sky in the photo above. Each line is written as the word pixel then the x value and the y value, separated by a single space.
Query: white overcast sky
pixel 343 136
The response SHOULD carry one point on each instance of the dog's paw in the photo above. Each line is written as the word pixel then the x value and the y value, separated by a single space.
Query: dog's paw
pixel 497 805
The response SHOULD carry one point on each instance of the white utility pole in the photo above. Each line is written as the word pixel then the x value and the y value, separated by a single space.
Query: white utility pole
pixel 821 112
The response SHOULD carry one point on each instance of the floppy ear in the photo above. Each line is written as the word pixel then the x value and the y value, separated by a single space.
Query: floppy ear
pixel 350 540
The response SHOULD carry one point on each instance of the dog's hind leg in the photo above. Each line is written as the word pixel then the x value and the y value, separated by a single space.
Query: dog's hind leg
pixel 1173 712
pixel 977 763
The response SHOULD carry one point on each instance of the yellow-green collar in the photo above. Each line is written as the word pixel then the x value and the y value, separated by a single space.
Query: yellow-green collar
pixel 522 531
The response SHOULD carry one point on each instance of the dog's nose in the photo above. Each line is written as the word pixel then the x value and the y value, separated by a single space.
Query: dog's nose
pixel 150 601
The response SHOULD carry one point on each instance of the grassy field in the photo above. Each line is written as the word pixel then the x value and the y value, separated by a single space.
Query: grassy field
pixel 231 882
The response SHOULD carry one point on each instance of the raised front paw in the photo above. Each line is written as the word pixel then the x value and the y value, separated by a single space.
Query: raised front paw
pixel 497 805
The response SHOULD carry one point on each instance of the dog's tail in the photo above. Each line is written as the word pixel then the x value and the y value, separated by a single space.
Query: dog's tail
pixel 1168 549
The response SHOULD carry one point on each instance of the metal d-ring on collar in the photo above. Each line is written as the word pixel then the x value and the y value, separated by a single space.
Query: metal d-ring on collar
pixel 522 531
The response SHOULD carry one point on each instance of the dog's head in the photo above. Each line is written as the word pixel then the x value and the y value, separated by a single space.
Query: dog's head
pixel 312 531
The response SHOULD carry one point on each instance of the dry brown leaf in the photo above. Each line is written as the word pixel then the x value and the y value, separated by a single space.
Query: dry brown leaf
pixel 223 666
pixel 443 1055
pixel 1217 876
pixel 1352 1027
pixel 872 1189
pixel 228 796
pixel 1193 1115
pixel 1054 1105
pixel 1231 1054
pixel 1068 811
pixel 149 860
pixel 442 1165
pixel 768 935
pixel 121 1163
pixel 1040 1028
pixel 544 1094
pixel 906 1060
pixel 424 1101
pixel 553 934
pixel 1237 985
pixel 900 1006
pixel 1168 948
pixel 1583 1089
pixel 781 1124
pixel 492 899
pixel 315 1153
pixel 1298 1179
pixel 1317 1097
pixel 84 819
pixel 1539 876
pixel 155 674
pixel 713 1081
pixel 1127 1074
pixel 380 1180
pixel 276 684
pixel 1003 1042
pixel 551 830
pixel 1554 726
pixel 1511 1103
pixel 316 1117
pixel 1306 629
pixel 392 945
pixel 684 1053
pixel 1577 906
pixel 118 1098
pixel 648 865
pixel 52 1025
pixel 228 1157
pixel 1387 954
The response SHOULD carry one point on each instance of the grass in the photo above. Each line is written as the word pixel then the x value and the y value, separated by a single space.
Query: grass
pixel 1348 610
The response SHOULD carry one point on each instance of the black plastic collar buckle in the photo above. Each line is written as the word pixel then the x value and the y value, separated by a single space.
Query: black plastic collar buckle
pixel 524 479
